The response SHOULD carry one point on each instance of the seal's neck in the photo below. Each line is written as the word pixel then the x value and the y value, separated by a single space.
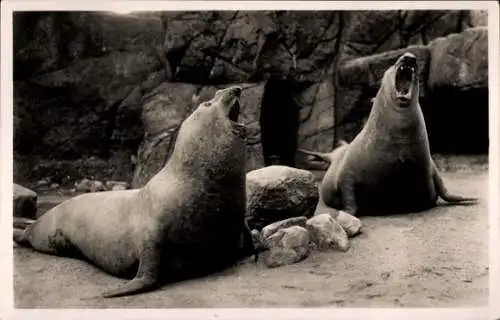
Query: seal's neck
pixel 399 125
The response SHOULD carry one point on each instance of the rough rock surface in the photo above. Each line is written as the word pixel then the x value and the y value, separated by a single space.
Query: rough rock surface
pixel 25 201
pixel 116 185
pixel 460 60
pixel 274 227
pixel 316 117
pixel 326 233
pixel 91 77
pixel 351 225
pixel 276 193
pixel 73 70
pixel 287 246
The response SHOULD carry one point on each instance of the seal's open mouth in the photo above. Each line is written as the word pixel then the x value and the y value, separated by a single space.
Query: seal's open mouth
pixel 406 68
pixel 234 104
pixel 231 99
pixel 234 110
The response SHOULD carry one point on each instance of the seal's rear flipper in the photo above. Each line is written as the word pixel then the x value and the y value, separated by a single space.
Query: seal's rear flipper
pixel 21 237
pixel 321 155
pixel 329 157
pixel 22 223
pixel 21 232
pixel 443 192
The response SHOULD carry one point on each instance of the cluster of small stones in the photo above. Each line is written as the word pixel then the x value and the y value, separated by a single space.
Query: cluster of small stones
pixel 87 185
pixel 275 191
pixel 292 240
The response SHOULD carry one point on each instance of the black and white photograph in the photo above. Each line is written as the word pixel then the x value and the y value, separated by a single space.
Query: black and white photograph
pixel 220 155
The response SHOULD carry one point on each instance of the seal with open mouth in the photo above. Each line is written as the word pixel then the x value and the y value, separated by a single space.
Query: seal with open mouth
pixel 188 220
pixel 387 168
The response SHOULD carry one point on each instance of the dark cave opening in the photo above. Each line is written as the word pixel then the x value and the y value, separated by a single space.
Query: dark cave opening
pixel 457 120
pixel 279 122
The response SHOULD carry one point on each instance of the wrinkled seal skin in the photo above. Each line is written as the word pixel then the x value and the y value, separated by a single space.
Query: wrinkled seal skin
pixel 387 168
pixel 188 220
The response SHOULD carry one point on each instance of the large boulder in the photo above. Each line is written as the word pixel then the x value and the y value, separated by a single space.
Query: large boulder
pixel 460 60
pixel 276 193
pixel 25 202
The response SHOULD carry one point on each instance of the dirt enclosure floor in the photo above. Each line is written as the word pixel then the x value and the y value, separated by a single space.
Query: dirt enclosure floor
pixel 437 258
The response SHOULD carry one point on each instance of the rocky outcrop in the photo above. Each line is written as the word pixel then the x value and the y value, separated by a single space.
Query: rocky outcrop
pixel 94 80
pixel 241 46
pixel 74 70
pixel 459 60
pixel 276 193
pixel 317 117
pixel 25 201
pixel 291 240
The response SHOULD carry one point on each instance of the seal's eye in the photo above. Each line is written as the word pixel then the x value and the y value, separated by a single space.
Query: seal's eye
pixel 207 104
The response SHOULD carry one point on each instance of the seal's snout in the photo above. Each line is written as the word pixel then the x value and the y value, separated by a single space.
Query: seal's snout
pixel 408 60
pixel 230 92
pixel 236 91
pixel 408 56
pixel 231 97
pixel 406 69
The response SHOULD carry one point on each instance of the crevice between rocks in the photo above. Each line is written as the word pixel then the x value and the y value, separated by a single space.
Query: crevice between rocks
pixel 457 120
pixel 279 122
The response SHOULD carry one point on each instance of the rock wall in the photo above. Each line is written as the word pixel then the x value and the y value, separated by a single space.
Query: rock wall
pixel 102 95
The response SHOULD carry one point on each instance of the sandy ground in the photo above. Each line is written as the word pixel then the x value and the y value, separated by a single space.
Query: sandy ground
pixel 437 258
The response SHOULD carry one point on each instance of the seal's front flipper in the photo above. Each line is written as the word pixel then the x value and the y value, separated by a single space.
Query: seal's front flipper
pixel 146 278
pixel 349 202
pixel 443 192
pixel 137 285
